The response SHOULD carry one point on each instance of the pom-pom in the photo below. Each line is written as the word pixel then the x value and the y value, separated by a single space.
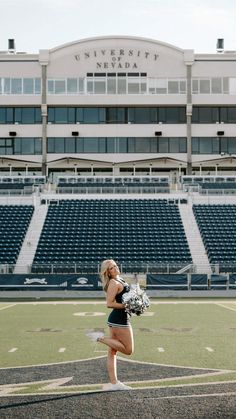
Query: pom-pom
pixel 136 300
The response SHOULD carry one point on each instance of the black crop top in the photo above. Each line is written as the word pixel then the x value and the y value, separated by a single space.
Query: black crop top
pixel 125 289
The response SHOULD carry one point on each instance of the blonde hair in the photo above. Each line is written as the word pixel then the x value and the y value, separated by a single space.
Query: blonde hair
pixel 104 273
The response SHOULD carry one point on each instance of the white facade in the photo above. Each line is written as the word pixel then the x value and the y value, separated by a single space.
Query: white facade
pixel 126 74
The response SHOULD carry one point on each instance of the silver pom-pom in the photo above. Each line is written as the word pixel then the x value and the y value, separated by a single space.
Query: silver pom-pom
pixel 136 300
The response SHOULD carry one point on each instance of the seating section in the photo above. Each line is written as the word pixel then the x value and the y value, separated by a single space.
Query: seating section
pixel 133 232
pixel 20 185
pixel 14 222
pixel 113 185
pixel 218 231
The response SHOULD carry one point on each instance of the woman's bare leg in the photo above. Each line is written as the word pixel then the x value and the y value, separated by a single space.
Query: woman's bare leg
pixel 121 340
pixel 111 362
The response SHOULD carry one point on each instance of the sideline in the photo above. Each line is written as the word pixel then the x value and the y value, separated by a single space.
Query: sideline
pixel 9 306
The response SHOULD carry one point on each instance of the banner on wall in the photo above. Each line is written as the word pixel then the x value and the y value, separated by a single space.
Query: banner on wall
pixel 39 282
pixel 172 282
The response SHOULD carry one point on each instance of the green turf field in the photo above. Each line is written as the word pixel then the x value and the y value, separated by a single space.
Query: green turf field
pixel 177 333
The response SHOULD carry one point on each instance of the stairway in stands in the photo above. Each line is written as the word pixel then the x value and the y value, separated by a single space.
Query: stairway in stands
pixel 29 246
pixel 196 245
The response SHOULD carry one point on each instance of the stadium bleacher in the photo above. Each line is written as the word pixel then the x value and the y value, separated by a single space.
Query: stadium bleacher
pixel 78 234
pixel 218 231
pixel 14 222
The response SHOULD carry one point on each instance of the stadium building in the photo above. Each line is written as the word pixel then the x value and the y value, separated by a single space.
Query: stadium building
pixel 113 147
pixel 117 106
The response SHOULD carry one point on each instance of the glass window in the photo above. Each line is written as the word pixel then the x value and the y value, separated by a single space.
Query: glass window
pixel 69 145
pixel 232 145
pixel 102 145
pixel 37 86
pixel 90 145
pixel 72 85
pixel 27 116
pixel 216 85
pixel 111 86
pixel 153 145
pixel 89 86
pixel 122 145
pixel 50 145
pixel 71 115
pixel 50 86
pixel 59 145
pixel 161 86
pixel 28 86
pixel 17 145
pixel 79 117
pixel 38 145
pixel 142 145
pixel 173 86
pixel 81 85
pixel 142 116
pixel 174 145
pixel 16 86
pixel 60 86
pixel 38 117
pixel 195 145
pixel 133 85
pixel 195 86
pixel 2 115
pixel 121 86
pixel 91 115
pixel 205 145
pixel 79 144
pixel 204 86
pixel 231 115
pixel 60 115
pixel 224 145
pixel 163 145
pixel 7 85
pixel 51 115
pixel 215 145
pixel 1 82
pixel 100 86
pixel 182 145
pixel 27 145
pixel 111 145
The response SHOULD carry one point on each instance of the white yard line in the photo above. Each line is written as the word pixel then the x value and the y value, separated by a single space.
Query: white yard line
pixel 228 308
pixel 9 306
pixel 209 349
pixel 62 350
pixel 13 350
pixel 161 349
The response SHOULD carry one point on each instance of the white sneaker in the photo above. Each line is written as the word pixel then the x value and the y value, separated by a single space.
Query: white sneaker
pixel 94 336
pixel 116 387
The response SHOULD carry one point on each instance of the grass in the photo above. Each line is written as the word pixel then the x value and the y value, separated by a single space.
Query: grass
pixel 183 330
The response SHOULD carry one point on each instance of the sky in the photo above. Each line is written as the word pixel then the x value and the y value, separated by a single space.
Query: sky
pixel 186 24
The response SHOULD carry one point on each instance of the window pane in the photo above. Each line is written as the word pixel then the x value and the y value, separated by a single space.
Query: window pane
pixel 142 116
pixel 2 115
pixel 133 86
pixel 204 86
pixel 122 144
pixel 60 115
pixel 215 145
pixel 7 85
pixel 100 86
pixel 91 145
pixel 27 116
pixel 173 87
pixel 79 143
pixel 174 145
pixel 91 115
pixel 216 85
pixel 121 86
pixel 232 145
pixel 60 86
pixel 72 85
pixel 38 145
pixel 111 86
pixel 142 145
pixel 51 115
pixel 50 86
pixel 37 86
pixel 16 86
pixel 154 144
pixel 232 115
pixel 102 145
pixel 69 145
pixel 50 145
pixel 17 146
pixel 182 145
pixel 27 145
pixel 163 145
pixel 59 145
pixel 28 86
pixel 195 145
pixel 195 86
pixel 205 145
pixel 110 145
